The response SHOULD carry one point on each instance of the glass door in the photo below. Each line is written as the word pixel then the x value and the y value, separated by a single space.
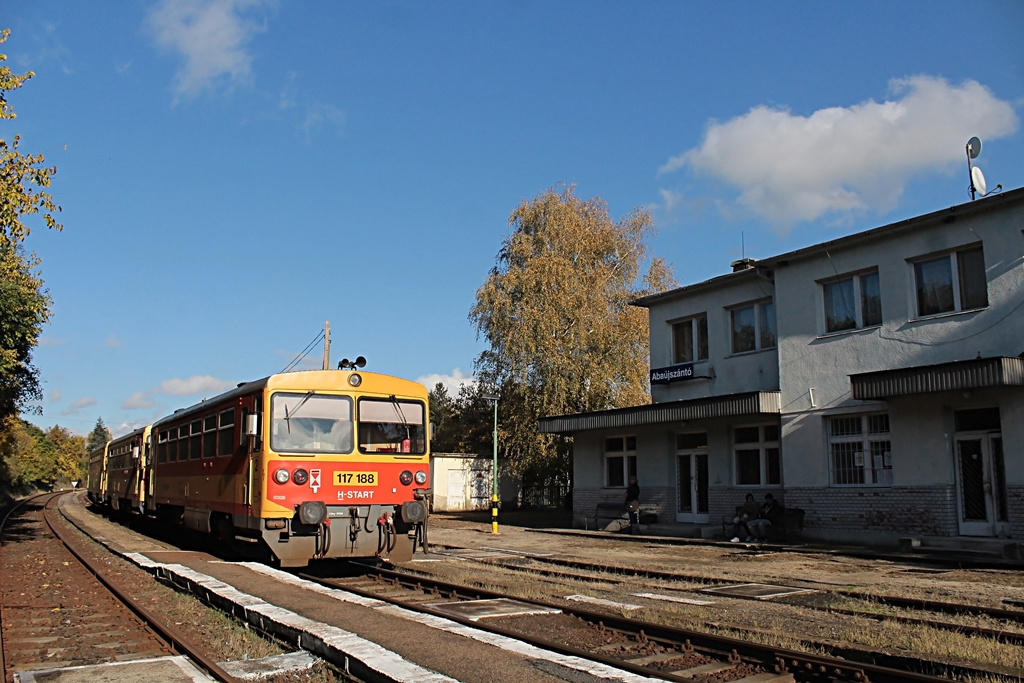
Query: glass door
pixel 981 484
pixel 692 478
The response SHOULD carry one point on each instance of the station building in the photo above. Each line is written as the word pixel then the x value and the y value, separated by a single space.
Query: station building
pixel 875 381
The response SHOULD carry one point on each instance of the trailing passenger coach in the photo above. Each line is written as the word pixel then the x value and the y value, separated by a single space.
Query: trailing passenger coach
pixel 315 464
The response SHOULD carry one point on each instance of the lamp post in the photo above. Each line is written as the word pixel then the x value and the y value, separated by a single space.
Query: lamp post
pixel 493 398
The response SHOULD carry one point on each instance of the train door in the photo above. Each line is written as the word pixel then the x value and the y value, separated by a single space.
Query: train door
pixel 147 504
pixel 250 445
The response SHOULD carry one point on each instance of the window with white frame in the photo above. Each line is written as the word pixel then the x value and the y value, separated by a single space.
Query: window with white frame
pixel 619 460
pixel 860 453
pixel 852 302
pixel 753 327
pixel 756 449
pixel 951 282
pixel 690 339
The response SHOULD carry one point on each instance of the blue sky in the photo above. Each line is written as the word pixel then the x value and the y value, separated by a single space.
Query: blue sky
pixel 234 173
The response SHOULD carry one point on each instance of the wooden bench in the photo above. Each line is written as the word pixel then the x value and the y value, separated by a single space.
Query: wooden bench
pixel 791 529
pixel 607 514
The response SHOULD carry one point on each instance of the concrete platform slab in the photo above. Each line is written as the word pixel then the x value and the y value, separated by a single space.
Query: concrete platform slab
pixel 165 669
pixel 474 610
pixel 755 591
pixel 259 669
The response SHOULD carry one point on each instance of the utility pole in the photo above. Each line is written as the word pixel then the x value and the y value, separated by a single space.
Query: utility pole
pixel 327 345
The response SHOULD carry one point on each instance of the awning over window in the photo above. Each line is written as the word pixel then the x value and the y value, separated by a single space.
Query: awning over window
pixel 755 403
pixel 979 373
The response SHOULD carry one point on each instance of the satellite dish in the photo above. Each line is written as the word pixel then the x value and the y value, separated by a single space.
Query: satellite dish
pixel 973 147
pixel 978 180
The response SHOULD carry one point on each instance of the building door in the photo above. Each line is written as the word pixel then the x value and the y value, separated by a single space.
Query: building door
pixel 481 483
pixel 982 487
pixel 456 490
pixel 692 478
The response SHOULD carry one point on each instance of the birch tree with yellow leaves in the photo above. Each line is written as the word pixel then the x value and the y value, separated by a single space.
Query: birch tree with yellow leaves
pixel 556 314
pixel 24 304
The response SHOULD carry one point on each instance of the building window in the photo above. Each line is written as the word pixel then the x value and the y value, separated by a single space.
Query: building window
pixel 757 455
pixel 690 340
pixel 860 453
pixel 753 327
pixel 951 282
pixel 852 302
pixel 619 460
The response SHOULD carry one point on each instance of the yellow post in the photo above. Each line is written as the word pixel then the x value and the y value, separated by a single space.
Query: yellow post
pixel 494 468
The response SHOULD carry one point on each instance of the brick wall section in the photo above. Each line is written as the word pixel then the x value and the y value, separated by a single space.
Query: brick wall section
pixel 1015 510
pixel 657 499
pixel 927 511
pixel 900 510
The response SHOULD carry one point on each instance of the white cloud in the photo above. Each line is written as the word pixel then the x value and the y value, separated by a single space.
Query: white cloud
pixel 49 342
pixel 113 342
pixel 197 384
pixel 451 382
pixel 56 396
pixel 138 401
pixel 211 37
pixel 320 115
pixel 790 168
pixel 78 405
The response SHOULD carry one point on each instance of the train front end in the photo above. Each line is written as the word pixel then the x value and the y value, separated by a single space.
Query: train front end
pixel 345 466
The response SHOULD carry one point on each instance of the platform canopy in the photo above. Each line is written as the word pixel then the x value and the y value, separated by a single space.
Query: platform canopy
pixel 752 403
pixel 979 373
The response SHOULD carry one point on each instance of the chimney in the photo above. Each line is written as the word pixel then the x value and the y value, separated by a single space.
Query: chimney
pixel 743 264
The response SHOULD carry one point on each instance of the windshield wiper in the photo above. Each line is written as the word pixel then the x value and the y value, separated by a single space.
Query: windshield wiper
pixel 401 414
pixel 287 417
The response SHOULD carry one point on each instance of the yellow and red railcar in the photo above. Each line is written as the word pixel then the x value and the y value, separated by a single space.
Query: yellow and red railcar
pixel 125 470
pixel 315 464
pixel 97 486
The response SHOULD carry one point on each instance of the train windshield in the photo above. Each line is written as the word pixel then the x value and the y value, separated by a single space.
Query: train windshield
pixel 392 425
pixel 310 423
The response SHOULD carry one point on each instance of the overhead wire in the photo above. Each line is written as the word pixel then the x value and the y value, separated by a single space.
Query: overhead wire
pixel 305 352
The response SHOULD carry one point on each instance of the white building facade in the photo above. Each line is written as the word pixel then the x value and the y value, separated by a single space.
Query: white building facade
pixel 875 381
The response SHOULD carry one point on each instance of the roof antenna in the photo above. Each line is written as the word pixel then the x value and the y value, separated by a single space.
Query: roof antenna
pixel 978 184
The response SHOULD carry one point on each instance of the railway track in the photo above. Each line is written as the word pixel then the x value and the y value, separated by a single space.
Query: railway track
pixel 864 605
pixel 640 647
pixel 603 634
pixel 59 609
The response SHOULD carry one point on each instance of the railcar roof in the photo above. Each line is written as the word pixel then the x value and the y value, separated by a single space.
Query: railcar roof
pixel 335 380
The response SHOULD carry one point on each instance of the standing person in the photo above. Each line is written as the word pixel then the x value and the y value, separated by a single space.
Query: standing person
pixel 633 505
pixel 746 512
pixel 771 513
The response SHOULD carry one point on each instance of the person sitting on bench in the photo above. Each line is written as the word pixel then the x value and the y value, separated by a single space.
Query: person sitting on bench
pixel 770 514
pixel 748 511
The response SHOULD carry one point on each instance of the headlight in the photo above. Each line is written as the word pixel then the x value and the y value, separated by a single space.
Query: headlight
pixel 300 477
pixel 421 477
pixel 281 476
pixel 405 477
pixel 355 380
